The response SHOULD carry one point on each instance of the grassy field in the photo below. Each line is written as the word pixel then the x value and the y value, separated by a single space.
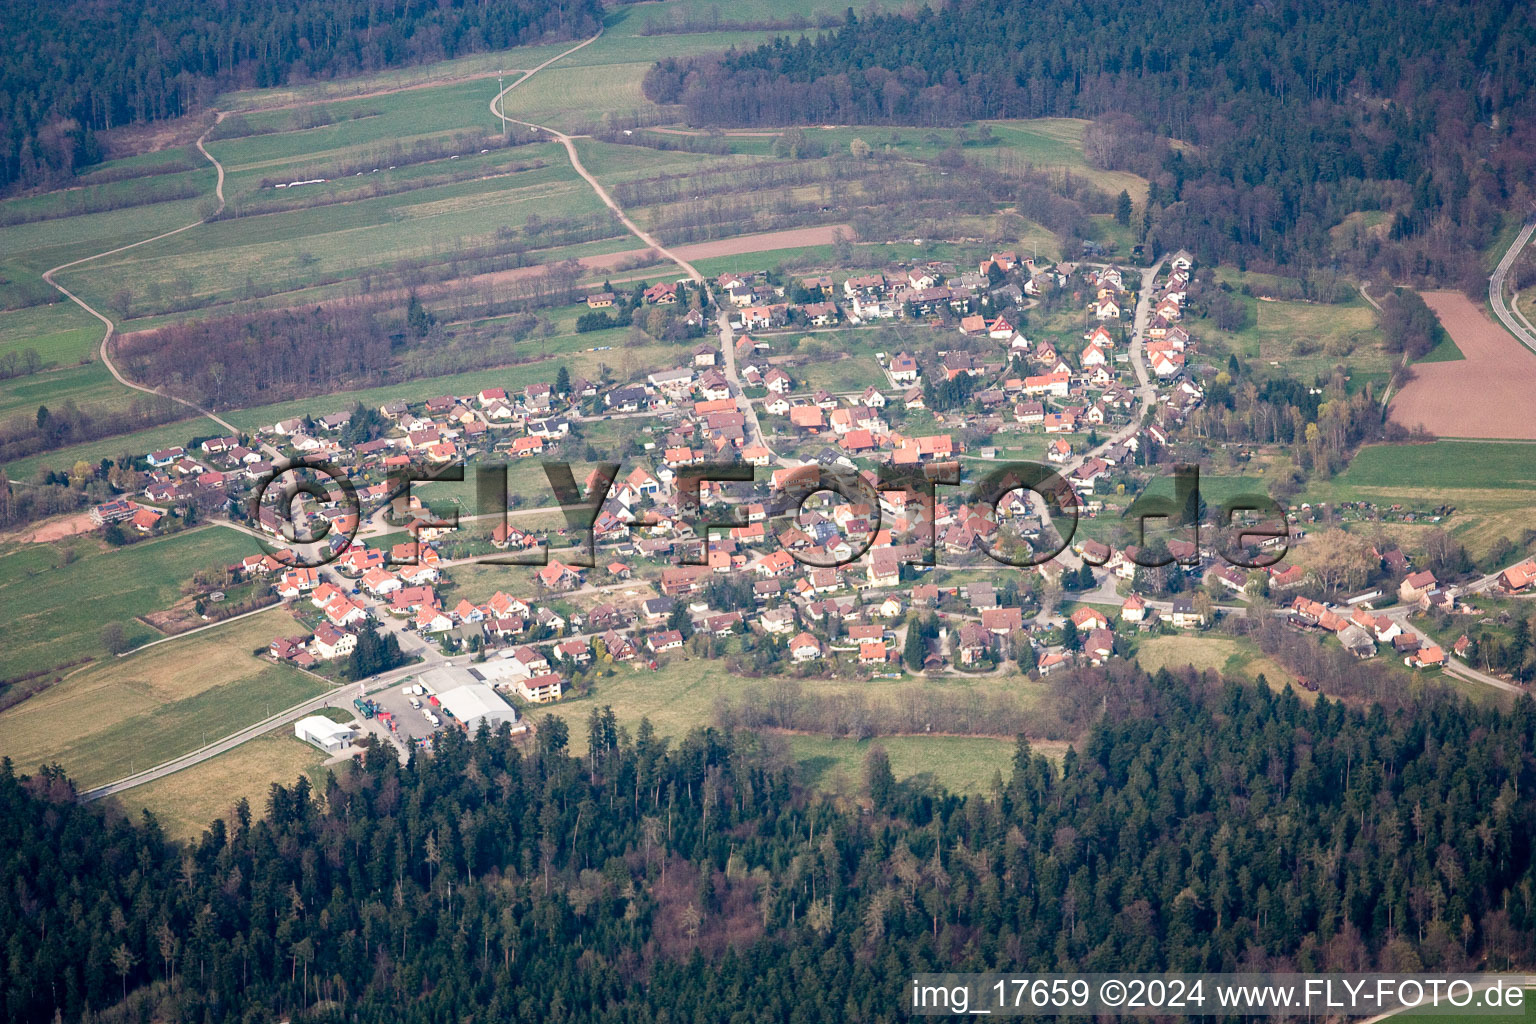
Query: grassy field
pixel 1228 656
pixel 837 360
pixel 1215 487
pixel 479 65
pixel 961 764
pixel 1438 465
pixel 124 714
pixel 1489 484
pixel 58 606
pixel 615 163
pixel 682 695
pixel 1433 1015
pixel 1047 144
pixel 187 802
pixel 1301 339
pixel 1444 352
pixel 88 385
pixel 357 123
pixel 137 443
pixel 572 97
pixel 61 332
pixel 34 247
pixel 1057 143
pixel 297 248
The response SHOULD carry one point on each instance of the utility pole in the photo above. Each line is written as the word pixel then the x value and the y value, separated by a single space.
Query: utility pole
pixel 499 108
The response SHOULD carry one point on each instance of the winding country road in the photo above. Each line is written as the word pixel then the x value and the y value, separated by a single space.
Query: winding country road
pixel 106 340
pixel 1496 287
pixel 498 110
pixel 727 337
pixel 338 697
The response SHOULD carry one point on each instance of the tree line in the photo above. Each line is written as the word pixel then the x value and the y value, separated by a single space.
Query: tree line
pixel 23 434
pixel 267 356
pixel 1200 825
pixel 1300 114
pixel 77 68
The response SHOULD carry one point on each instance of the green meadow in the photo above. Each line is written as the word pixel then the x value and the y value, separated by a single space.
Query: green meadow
pixel 59 602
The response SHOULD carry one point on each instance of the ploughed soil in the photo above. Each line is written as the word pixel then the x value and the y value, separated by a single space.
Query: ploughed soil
pixel 1489 393
pixel 57 529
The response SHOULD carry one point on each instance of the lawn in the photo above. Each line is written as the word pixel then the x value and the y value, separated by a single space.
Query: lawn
pixel 1215 488
pixel 121 715
pixel 187 802
pixel 527 488
pixel 57 607
pixel 837 361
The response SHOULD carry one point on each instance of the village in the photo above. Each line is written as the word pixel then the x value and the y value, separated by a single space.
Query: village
pixel 847 587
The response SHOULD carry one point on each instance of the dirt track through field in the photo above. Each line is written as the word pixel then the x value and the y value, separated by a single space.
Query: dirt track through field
pixel 1490 393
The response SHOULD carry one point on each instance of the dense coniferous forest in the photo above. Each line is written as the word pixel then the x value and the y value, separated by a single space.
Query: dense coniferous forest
pixel 75 68
pixel 1298 113
pixel 1200 825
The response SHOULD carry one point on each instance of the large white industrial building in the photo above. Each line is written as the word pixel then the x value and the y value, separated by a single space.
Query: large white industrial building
pixel 474 703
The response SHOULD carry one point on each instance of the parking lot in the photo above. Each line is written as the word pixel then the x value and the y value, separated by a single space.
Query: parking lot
pixel 410 723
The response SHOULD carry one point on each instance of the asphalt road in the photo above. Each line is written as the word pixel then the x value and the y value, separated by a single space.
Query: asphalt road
pixel 1146 393
pixel 1496 287
pixel 338 697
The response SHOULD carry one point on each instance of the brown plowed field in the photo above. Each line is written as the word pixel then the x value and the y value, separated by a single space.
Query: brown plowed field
pixel 1489 393
pixel 57 529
